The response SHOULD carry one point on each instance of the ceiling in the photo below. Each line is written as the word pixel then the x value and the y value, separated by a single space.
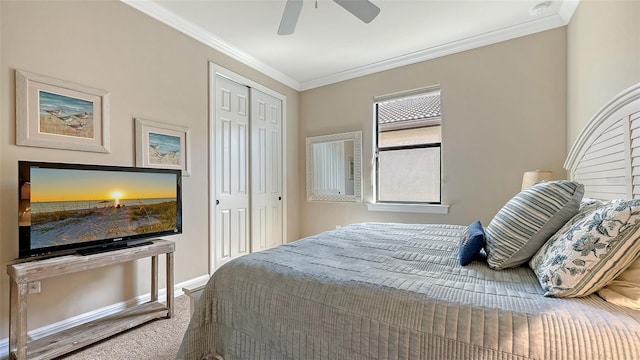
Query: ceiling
pixel 330 44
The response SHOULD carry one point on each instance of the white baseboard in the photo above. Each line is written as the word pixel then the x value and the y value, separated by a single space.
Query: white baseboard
pixel 99 313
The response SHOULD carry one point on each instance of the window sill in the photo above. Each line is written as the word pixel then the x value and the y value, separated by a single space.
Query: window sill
pixel 409 208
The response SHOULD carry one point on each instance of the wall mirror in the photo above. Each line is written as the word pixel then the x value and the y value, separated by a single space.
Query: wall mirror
pixel 334 167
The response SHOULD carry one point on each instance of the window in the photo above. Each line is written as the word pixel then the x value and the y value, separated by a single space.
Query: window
pixel 407 148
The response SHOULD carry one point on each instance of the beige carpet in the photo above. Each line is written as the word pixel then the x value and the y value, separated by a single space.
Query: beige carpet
pixel 156 340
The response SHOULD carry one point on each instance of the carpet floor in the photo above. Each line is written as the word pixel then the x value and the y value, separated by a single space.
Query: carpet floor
pixel 156 340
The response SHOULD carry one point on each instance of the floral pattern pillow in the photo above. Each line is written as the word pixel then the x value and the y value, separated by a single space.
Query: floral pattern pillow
pixel 589 203
pixel 593 247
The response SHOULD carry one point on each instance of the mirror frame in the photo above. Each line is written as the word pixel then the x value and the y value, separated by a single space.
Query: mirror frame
pixel 356 136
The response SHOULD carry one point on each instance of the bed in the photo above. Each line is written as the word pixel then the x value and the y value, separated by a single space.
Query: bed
pixel 398 291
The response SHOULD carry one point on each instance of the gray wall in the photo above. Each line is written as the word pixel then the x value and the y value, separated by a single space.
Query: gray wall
pixel 603 57
pixel 151 71
pixel 503 112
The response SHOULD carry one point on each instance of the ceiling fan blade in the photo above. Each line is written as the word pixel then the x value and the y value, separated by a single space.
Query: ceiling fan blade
pixel 290 17
pixel 364 10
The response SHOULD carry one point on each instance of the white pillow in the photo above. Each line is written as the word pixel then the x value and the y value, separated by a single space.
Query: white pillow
pixel 625 289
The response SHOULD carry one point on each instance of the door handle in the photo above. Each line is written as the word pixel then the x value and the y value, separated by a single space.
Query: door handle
pixel 217 202
pixel 279 197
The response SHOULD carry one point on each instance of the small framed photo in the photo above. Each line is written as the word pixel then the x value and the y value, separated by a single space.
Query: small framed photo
pixel 57 114
pixel 161 145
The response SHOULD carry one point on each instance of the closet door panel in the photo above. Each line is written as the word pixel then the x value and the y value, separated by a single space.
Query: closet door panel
pixel 231 209
pixel 266 178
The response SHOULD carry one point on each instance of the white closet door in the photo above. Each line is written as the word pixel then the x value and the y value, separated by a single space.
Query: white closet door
pixel 266 171
pixel 232 232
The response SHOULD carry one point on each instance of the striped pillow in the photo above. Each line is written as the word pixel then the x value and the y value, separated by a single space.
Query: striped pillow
pixel 585 257
pixel 527 221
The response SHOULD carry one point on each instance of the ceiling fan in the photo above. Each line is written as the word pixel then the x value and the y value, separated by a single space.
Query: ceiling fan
pixel 364 10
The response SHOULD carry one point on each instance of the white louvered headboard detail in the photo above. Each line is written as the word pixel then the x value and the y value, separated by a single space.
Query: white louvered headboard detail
pixel 606 155
pixel 635 153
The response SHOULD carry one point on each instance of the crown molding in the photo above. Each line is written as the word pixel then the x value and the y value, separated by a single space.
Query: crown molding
pixel 562 18
pixel 546 23
pixel 198 33
pixel 567 9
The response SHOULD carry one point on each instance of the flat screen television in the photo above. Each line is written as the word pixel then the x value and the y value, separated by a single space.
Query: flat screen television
pixel 74 208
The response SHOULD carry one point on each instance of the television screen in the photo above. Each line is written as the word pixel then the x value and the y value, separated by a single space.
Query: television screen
pixel 67 207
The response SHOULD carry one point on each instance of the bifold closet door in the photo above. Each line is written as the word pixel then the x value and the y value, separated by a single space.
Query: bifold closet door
pixel 266 171
pixel 232 214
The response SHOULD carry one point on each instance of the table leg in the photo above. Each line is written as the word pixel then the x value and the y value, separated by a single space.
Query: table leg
pixel 154 278
pixel 18 318
pixel 169 285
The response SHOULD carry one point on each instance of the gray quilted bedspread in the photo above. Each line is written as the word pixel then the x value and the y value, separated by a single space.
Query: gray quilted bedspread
pixel 395 291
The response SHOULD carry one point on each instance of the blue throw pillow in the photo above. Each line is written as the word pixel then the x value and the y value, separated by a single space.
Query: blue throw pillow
pixel 472 242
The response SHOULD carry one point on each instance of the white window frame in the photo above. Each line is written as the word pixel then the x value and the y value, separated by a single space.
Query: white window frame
pixel 407 207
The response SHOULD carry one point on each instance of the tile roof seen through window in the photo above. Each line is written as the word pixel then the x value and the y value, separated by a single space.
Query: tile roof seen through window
pixel 409 112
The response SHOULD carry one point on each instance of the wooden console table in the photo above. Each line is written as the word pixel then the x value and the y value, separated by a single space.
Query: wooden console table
pixel 75 338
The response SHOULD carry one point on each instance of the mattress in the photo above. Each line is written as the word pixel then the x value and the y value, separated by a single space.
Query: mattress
pixel 395 291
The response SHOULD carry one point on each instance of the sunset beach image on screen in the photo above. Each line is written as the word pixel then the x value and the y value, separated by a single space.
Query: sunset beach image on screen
pixel 70 205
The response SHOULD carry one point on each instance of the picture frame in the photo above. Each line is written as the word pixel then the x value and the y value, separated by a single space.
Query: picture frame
pixel 164 146
pixel 57 114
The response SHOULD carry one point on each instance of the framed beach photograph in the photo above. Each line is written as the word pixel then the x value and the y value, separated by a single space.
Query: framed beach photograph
pixel 57 114
pixel 161 145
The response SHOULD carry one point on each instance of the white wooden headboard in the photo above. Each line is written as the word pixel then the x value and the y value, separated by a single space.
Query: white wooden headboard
pixel 606 155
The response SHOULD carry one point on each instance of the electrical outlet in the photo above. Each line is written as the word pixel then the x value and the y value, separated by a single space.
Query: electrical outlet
pixel 34 287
